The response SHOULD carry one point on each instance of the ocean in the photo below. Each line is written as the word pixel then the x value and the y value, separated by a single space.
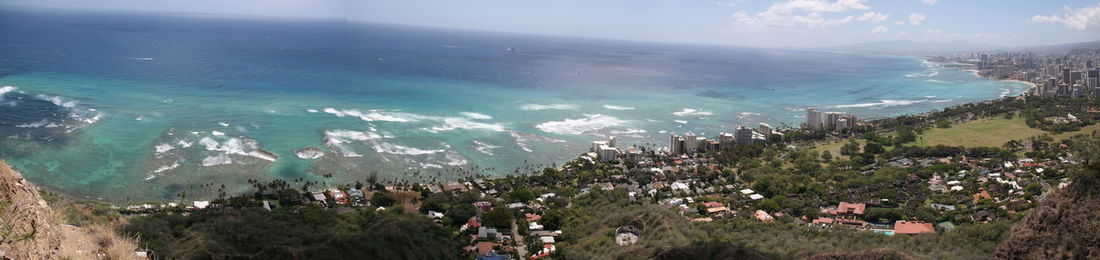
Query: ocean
pixel 129 107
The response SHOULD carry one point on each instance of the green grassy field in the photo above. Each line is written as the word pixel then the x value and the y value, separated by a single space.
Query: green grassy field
pixel 992 132
pixel 834 148
pixel 983 132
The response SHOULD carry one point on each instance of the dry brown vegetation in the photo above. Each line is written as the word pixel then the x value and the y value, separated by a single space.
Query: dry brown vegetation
pixel 31 229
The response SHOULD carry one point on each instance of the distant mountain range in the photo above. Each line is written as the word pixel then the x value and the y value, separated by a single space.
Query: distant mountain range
pixel 926 48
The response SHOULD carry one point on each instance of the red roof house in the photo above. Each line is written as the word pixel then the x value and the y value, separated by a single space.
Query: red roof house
pixel 913 227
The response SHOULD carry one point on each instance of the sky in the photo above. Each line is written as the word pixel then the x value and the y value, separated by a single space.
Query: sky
pixel 753 23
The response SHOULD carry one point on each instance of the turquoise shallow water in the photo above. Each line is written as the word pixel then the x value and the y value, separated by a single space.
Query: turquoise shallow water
pixel 131 108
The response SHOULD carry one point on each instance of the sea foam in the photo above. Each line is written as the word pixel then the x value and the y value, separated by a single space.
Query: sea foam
pixel 536 107
pixel 692 112
pixel 589 123
pixel 614 107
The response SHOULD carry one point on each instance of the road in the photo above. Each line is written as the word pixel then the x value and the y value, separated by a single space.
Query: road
pixel 521 247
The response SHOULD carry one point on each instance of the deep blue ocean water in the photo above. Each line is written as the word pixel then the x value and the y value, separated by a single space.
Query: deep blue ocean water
pixel 136 107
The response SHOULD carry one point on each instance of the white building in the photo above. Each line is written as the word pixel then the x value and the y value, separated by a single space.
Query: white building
pixel 765 129
pixel 675 144
pixel 743 135
pixel 813 119
pixel 691 143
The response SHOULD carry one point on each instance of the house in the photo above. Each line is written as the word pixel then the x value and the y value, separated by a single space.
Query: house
pixel 473 223
pixel 532 217
pixel 756 196
pixel 318 197
pixel 516 205
pixel 981 195
pixel 484 248
pixel 483 205
pixel 356 195
pixel 901 162
pixel 680 186
pixel 713 204
pixel 852 209
pixel 454 186
pixel 435 215
pixel 434 188
pixel 717 210
pixel 544 233
pixel 823 221
pixel 339 196
pixel 487 233
pixel 534 226
pixel 762 216
pixel 913 227
pixel 546 240
pixel 943 207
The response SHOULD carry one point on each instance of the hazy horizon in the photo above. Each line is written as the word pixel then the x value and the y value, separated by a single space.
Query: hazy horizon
pixel 786 23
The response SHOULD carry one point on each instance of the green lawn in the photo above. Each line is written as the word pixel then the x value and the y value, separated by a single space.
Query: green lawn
pixel 983 132
pixel 992 132
pixel 834 148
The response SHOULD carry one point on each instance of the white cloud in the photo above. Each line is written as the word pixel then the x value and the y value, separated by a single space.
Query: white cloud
pixel 899 23
pixel 1086 18
pixel 873 17
pixel 932 31
pixel 806 13
pixel 880 29
pixel 916 18
pixel 930 2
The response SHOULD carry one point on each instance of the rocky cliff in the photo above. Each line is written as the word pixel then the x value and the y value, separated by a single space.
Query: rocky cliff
pixel 29 228
pixel 1064 226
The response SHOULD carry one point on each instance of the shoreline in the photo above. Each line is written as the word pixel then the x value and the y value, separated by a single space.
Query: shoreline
pixel 1031 85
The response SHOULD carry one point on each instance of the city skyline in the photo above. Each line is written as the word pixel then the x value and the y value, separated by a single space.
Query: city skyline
pixel 781 23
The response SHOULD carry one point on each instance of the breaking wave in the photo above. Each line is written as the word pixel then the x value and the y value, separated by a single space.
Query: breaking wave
pixel 478 116
pixel 383 147
pixel 614 107
pixel 578 126
pixel 371 116
pixel 692 112
pixel 891 103
pixel 536 107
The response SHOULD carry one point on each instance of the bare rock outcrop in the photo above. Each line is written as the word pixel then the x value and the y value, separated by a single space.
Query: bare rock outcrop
pixel 28 227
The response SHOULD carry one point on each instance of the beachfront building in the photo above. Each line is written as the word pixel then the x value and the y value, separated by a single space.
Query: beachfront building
pixel 743 135
pixel 765 129
pixel 675 145
pixel 605 150
pixel 813 119
pixel 726 139
pixel 691 143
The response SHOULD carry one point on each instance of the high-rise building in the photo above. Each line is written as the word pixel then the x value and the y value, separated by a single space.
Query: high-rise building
pixel 1063 90
pixel 607 153
pixel 1050 85
pixel 743 135
pixel 1093 78
pixel 764 129
pixel 1065 76
pixel 813 119
pixel 1078 91
pixel 691 143
pixel 830 119
pixel 1076 77
pixel 849 122
pixel 726 139
pixel 675 144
